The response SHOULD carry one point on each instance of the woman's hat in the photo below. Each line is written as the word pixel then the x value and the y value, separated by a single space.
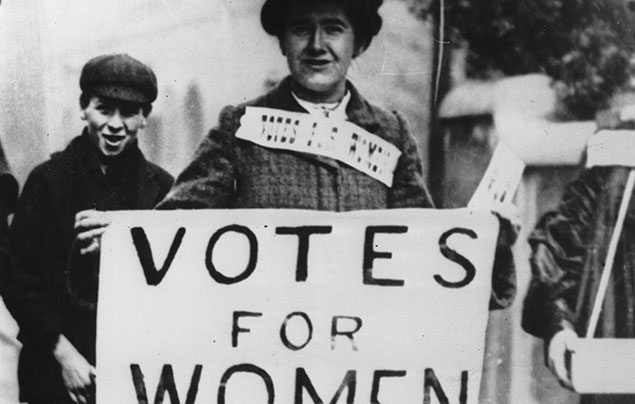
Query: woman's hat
pixel 363 14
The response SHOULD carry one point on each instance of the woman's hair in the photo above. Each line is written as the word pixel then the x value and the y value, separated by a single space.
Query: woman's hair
pixel 363 15
pixel 84 100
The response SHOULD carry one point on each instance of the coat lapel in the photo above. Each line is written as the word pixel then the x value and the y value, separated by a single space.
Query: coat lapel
pixel 360 113
pixel 148 193
pixel 88 182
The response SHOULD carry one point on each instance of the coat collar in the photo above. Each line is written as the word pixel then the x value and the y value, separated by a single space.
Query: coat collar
pixel 149 187
pixel 358 110
pixel 80 154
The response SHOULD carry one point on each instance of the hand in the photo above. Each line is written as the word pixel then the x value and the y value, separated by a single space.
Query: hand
pixel 78 375
pixel 559 354
pixel 89 226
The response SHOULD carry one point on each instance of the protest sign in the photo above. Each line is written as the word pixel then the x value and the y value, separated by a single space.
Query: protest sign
pixel 603 366
pixel 500 181
pixel 289 306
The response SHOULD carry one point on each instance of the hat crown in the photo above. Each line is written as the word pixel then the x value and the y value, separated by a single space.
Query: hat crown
pixel 364 12
pixel 121 77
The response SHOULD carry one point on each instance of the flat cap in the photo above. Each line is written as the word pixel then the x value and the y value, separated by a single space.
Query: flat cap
pixel 121 77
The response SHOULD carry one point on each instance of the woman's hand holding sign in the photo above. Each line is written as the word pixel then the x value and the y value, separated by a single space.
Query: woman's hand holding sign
pixel 559 355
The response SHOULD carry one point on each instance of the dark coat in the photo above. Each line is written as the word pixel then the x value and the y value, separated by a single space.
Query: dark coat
pixel 8 186
pixel 232 173
pixel 569 249
pixel 49 297
pixel 8 196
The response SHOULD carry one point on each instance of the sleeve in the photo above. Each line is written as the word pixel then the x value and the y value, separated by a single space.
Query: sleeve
pixel 5 258
pixel 31 292
pixel 165 182
pixel 5 264
pixel 209 179
pixel 8 192
pixel 559 245
pixel 504 271
pixel 408 189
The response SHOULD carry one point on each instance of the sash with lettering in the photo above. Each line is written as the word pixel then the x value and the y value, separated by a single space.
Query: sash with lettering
pixel 337 139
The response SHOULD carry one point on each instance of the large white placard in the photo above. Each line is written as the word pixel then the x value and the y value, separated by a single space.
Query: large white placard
pixel 603 366
pixel 288 306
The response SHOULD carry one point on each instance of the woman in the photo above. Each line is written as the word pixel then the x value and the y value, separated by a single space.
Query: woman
pixel 319 40
pixel 313 142
pixel 569 250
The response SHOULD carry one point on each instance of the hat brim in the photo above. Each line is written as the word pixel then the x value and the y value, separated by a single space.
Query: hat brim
pixel 121 92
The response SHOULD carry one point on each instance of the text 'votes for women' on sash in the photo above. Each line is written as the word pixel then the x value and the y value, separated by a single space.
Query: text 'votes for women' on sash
pixel 338 139
pixel 292 306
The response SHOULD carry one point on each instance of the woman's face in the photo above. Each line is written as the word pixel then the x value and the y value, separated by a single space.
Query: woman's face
pixel 319 44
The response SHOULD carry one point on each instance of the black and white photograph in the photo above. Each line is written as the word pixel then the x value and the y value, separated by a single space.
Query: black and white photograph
pixel 310 201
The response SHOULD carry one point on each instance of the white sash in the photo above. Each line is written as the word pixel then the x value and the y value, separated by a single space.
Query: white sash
pixel 338 139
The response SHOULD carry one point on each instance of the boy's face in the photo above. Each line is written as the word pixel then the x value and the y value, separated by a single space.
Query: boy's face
pixel 112 125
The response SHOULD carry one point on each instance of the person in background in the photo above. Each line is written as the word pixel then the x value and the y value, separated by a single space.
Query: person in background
pixel 247 161
pixel 9 346
pixel 569 248
pixel 58 222
pixel 8 198
pixel 8 192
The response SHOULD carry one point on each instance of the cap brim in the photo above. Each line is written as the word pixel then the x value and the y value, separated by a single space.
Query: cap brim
pixel 123 93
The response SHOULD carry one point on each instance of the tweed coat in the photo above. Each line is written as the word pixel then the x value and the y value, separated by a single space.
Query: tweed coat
pixel 569 249
pixel 47 295
pixel 227 172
